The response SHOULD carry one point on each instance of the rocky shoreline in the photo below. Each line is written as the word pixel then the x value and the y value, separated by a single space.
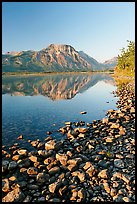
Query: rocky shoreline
pixel 95 162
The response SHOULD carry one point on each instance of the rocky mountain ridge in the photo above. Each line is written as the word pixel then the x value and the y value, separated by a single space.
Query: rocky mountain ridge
pixel 54 58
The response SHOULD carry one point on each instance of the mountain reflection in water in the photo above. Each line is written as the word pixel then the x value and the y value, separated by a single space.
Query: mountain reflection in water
pixel 54 86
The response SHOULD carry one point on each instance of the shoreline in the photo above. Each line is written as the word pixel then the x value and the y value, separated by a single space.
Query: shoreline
pixel 95 162
pixel 47 73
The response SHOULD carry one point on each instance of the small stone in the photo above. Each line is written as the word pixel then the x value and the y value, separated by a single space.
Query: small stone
pixel 41 199
pixel 32 171
pixel 5 185
pixel 83 112
pixel 105 120
pixel 132 110
pixel 49 160
pixel 80 175
pixel 15 195
pixel 27 199
pixel 68 123
pixel 106 187
pixel 54 170
pixel 114 125
pixel 122 130
pixel 91 171
pixel 119 163
pixel 5 164
pixel 62 158
pixel 54 186
pixel 22 152
pixel 126 199
pixel 32 186
pixel 62 190
pixel 12 165
pixel 87 165
pixel 42 177
pixel 12 178
pixel 33 158
pixel 20 137
pixel 63 130
pixel 81 130
pixel 103 174
pixel 16 157
pixel 50 145
pixel 109 140
pixel 34 143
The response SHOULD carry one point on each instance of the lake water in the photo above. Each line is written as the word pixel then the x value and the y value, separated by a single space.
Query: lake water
pixel 33 105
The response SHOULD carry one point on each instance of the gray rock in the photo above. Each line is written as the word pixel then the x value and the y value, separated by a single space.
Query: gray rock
pixel 42 177
pixel 27 199
pixel 41 199
pixel 5 164
pixel 32 186
pixel 119 163
pixel 12 165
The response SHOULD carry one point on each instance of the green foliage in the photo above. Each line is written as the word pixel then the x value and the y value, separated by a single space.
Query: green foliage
pixel 126 61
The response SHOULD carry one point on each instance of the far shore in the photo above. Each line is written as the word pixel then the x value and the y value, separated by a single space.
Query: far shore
pixel 47 73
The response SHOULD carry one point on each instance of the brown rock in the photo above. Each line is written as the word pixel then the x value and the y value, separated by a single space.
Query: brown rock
pixel 12 178
pixel 22 152
pixel 72 167
pixel 81 175
pixel 16 157
pixel 62 158
pixel 15 195
pixel 20 137
pixel 33 158
pixel 114 125
pixel 81 130
pixel 91 171
pixel 32 171
pixel 103 174
pixel 5 185
pixel 50 145
pixel 54 170
pixel 53 187
pixel 49 160
pixel 87 165
pixel 109 140
pixel 106 187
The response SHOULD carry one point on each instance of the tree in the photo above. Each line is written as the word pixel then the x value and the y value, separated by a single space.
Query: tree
pixel 126 60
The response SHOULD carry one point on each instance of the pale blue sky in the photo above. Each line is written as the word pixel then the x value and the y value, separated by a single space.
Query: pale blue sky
pixel 100 29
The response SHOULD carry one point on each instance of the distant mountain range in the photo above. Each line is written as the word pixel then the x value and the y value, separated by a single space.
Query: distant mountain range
pixel 54 58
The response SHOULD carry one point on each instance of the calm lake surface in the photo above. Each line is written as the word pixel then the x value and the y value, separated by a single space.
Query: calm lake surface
pixel 33 105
